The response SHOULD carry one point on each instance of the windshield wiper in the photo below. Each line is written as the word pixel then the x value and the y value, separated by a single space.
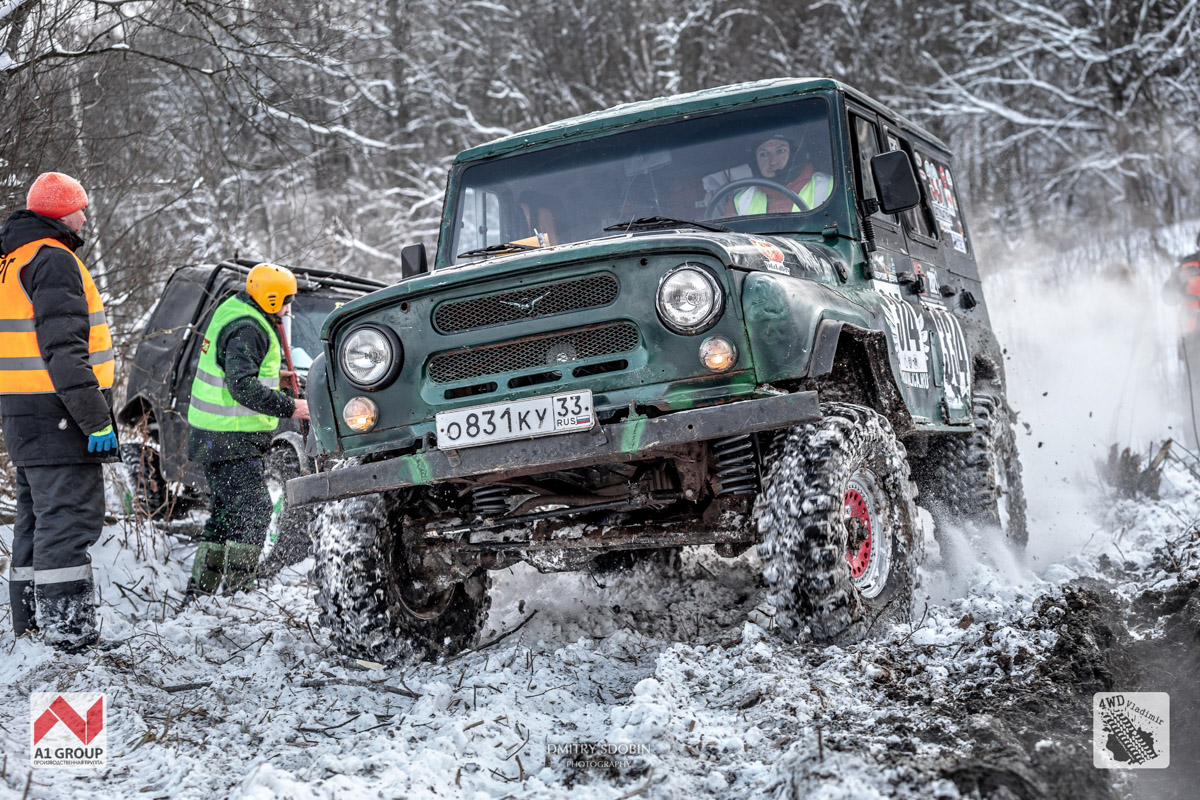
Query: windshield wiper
pixel 496 249
pixel 652 223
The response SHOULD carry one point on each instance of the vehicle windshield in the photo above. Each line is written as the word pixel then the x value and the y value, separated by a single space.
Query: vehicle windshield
pixel 676 169
pixel 303 327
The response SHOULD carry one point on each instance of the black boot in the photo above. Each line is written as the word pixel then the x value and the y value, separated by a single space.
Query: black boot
pixel 24 610
pixel 66 614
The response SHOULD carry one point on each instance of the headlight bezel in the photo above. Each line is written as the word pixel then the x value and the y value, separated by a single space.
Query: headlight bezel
pixel 373 409
pixel 708 321
pixel 393 369
pixel 713 341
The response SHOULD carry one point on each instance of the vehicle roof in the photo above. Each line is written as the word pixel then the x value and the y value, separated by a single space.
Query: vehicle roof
pixel 681 105
pixel 318 279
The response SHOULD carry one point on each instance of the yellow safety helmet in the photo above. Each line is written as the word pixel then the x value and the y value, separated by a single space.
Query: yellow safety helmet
pixel 271 286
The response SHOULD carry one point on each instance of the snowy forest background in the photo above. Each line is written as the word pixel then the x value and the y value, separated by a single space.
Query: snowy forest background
pixel 320 133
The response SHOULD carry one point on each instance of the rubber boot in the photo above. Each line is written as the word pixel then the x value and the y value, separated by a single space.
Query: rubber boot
pixel 66 614
pixel 207 569
pixel 241 566
pixel 24 610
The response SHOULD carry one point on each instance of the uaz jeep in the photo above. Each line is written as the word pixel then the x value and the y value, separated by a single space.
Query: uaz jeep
pixel 639 334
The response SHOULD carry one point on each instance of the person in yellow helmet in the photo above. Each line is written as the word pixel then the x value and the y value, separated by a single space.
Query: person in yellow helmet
pixel 235 407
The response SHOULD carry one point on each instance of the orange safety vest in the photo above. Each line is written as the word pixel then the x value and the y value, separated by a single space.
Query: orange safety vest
pixel 22 367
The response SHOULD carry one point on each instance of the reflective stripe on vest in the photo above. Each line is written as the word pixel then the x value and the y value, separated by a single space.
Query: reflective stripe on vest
pixel 752 200
pixel 22 367
pixel 212 407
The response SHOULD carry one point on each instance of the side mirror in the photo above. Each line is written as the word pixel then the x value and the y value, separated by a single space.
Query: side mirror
pixel 895 182
pixel 413 261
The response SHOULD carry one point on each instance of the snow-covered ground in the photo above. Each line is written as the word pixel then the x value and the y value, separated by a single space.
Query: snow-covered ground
pixel 986 693
pixel 680 669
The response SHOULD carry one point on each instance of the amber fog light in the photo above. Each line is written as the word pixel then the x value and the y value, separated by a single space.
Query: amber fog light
pixel 361 414
pixel 718 353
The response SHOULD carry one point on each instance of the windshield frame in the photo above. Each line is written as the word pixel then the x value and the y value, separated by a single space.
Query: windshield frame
pixel 298 310
pixel 836 210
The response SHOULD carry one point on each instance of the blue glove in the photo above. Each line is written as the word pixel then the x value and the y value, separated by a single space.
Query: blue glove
pixel 102 440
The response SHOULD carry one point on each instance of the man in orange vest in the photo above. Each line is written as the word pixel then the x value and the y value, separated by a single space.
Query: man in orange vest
pixel 56 377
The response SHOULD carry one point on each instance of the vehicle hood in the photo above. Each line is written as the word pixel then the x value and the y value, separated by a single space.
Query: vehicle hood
pixel 751 252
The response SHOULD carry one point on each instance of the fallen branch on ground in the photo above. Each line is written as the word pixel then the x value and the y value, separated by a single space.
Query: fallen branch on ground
pixel 314 683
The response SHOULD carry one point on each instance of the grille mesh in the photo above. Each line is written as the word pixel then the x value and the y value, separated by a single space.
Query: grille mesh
pixel 550 350
pixel 590 291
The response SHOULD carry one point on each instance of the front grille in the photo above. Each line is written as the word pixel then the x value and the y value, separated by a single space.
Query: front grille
pixel 536 351
pixel 591 291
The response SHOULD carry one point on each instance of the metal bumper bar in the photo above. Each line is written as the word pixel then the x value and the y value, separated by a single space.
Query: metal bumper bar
pixel 624 441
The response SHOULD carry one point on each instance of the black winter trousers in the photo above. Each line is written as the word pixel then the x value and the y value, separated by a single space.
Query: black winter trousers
pixel 60 513
pixel 241 504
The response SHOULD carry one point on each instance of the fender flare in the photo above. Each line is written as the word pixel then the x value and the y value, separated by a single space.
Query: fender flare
pixel 295 441
pixel 135 409
pixel 832 335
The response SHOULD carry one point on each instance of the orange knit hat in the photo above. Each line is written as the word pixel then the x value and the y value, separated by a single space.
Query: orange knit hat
pixel 55 195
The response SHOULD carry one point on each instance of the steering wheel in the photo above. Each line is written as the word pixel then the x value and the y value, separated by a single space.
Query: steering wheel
pixel 731 187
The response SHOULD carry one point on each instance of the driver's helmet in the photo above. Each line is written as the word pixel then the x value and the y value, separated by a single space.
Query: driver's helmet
pixel 789 172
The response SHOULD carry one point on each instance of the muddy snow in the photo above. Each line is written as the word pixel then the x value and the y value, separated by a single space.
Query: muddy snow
pixel 659 683
pixel 678 675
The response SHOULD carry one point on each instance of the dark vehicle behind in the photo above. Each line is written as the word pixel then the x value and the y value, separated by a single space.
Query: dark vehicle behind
pixel 154 413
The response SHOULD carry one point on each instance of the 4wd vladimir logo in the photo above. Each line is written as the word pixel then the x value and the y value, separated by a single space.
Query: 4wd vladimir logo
pixel 68 729
pixel 1131 730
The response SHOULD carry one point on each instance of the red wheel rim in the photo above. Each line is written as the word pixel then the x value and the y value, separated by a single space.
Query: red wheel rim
pixel 858 532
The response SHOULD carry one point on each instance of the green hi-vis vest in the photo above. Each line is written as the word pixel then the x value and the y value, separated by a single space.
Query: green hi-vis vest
pixel 754 201
pixel 213 407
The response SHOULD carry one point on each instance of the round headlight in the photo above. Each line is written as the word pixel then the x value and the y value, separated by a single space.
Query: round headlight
pixel 370 356
pixel 361 414
pixel 689 299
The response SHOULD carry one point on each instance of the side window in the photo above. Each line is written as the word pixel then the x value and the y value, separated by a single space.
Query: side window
pixel 867 147
pixel 176 307
pixel 939 188
pixel 917 220
pixel 480 220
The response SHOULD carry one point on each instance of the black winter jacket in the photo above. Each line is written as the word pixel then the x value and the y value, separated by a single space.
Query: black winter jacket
pixel 241 348
pixel 47 429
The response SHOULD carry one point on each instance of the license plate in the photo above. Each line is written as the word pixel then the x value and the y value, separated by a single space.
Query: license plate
pixel 520 419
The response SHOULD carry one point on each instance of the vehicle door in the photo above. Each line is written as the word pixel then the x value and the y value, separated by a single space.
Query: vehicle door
pixel 892 280
pixel 153 367
pixel 188 360
pixel 930 278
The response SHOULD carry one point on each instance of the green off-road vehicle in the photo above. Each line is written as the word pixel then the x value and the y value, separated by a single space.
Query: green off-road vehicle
pixel 639 332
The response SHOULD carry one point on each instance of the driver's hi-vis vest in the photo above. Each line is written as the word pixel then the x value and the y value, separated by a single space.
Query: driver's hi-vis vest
pixel 754 201
pixel 212 406
pixel 22 367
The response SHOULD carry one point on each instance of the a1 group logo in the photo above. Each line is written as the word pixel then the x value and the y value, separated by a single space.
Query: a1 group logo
pixel 68 730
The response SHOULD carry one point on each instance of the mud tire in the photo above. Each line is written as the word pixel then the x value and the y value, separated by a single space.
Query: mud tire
pixel 294 525
pixel 977 479
pixel 801 516
pixel 360 573
pixel 147 487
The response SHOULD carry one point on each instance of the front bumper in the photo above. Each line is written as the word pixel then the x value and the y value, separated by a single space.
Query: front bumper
pixel 620 442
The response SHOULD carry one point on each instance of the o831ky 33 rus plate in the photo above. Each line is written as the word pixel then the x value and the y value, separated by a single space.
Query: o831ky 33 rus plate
pixel 520 419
